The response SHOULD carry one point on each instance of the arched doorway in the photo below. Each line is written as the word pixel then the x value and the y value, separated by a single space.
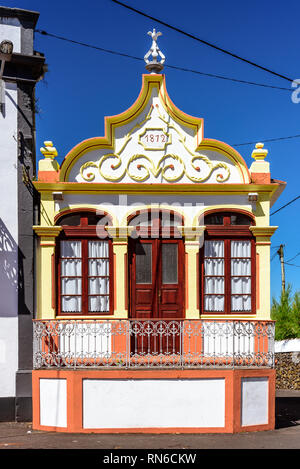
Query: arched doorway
pixel 156 267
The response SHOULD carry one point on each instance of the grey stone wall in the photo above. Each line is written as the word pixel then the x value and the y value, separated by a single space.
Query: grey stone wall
pixel 287 365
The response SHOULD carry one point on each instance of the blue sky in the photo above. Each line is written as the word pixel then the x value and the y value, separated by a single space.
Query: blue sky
pixel 83 85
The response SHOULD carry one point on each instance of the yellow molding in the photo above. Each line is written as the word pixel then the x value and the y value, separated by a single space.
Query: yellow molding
pixel 47 231
pixel 263 231
pixel 117 232
pixel 191 232
pixel 142 188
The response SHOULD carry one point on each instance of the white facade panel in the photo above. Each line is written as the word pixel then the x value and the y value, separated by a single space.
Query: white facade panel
pixel 10 28
pixel 53 402
pixel 8 242
pixel 153 403
pixel 255 401
pixel 8 356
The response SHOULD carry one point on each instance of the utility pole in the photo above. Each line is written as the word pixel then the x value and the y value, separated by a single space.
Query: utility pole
pixel 281 256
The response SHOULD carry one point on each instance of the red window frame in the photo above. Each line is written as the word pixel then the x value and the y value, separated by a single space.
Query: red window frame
pixel 228 233
pixel 83 233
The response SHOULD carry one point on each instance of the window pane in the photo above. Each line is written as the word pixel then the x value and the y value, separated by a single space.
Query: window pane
pixel 70 248
pixel 240 219
pixel 169 263
pixel 214 285
pixel 214 249
pixel 241 285
pixel 214 267
pixel 98 286
pixel 143 263
pixel 240 249
pixel 169 219
pixel 71 267
pixel 98 249
pixel 71 286
pixel 71 304
pixel 213 303
pixel 213 219
pixel 99 304
pixel 240 303
pixel 241 267
pixel 98 267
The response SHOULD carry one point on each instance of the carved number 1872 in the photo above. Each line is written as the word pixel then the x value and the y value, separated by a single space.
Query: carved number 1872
pixel 155 138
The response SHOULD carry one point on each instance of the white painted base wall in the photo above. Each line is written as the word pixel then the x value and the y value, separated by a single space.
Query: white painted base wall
pixel 53 402
pixel 153 403
pixel 8 356
pixel 254 405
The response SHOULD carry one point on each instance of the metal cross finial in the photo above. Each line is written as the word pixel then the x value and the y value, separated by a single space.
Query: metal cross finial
pixel 154 66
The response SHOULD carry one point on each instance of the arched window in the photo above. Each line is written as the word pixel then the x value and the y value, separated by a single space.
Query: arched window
pixel 228 264
pixel 84 265
pixel 156 223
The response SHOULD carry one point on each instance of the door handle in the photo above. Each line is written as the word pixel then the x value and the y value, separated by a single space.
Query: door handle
pixel 159 294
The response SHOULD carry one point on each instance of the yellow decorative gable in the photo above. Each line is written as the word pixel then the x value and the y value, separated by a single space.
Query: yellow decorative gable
pixel 153 142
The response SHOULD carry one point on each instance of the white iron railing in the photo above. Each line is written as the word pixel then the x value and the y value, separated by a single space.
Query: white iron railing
pixel 131 343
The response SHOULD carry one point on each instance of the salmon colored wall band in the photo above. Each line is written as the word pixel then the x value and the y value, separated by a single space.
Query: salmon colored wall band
pixel 232 397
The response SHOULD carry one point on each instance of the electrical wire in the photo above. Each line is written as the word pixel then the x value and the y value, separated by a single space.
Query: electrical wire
pixel 290 202
pixel 266 140
pixel 294 265
pixel 292 258
pixel 214 46
pixel 174 67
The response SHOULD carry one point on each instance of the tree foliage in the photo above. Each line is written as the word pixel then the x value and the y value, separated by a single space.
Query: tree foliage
pixel 286 313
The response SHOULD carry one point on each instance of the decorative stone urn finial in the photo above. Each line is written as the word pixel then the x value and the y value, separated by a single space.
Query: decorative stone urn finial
pixel 49 151
pixel 260 153
pixel 154 66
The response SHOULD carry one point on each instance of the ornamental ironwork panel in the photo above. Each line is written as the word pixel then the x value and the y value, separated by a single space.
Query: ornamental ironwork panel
pixel 135 343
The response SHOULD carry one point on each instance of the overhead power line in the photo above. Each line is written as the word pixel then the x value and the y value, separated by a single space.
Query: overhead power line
pixel 289 203
pixel 266 140
pixel 292 258
pixel 182 69
pixel 192 36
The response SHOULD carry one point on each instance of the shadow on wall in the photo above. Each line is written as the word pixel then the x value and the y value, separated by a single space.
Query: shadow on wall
pixel 11 273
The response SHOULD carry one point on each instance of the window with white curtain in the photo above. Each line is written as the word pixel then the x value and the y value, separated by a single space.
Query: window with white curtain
pixel 228 270
pixel 84 276
pixel 84 269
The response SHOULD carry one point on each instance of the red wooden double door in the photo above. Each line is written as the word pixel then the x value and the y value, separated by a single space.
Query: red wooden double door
pixel 156 278
pixel 156 292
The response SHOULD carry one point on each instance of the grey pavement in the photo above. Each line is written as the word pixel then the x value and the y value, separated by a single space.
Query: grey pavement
pixel 285 436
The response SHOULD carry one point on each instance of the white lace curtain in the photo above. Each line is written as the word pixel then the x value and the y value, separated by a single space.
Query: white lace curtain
pixel 71 276
pixel 214 284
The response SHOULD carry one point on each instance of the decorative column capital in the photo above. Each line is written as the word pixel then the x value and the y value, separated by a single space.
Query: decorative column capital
pixel 47 231
pixel 119 234
pixel 263 233
pixel 192 233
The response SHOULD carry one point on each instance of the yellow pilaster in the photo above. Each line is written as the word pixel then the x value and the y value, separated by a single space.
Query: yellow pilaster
pixel 193 239
pixel 47 208
pixel 263 295
pixel 45 274
pixel 120 251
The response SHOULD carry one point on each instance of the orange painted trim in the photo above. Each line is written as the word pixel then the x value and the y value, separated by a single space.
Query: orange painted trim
pixel 186 281
pixel 257 281
pixel 232 378
pixel 48 176
pixel 261 178
pixel 126 280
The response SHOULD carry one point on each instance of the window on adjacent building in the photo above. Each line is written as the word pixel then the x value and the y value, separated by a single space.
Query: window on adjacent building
pixel 84 266
pixel 228 264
